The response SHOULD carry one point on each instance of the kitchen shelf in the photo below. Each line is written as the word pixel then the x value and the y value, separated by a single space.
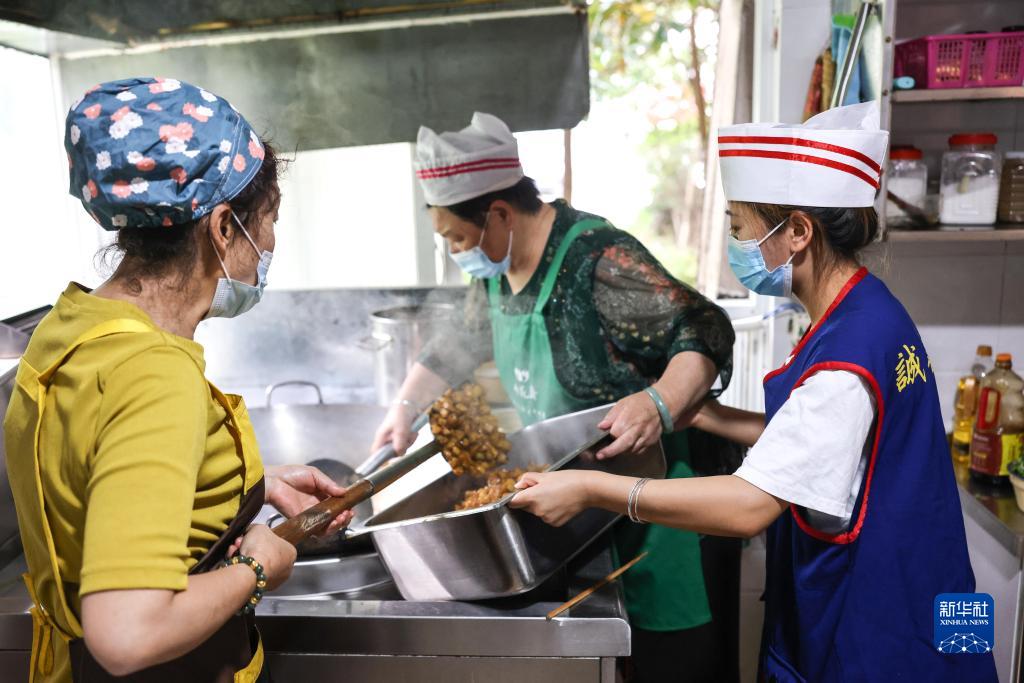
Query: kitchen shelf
pixel 958 94
pixel 961 235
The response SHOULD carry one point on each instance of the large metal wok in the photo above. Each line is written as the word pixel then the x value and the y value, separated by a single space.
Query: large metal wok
pixel 433 553
pixel 334 437
pixel 290 433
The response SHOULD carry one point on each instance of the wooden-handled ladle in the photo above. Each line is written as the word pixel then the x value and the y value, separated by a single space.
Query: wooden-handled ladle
pixel 462 409
pixel 317 518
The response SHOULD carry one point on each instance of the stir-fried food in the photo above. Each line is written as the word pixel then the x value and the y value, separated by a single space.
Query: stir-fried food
pixel 468 433
pixel 499 484
pixel 472 443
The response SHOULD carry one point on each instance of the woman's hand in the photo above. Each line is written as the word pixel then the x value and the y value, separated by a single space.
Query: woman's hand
pixel 273 552
pixel 555 497
pixel 696 416
pixel 634 422
pixel 294 488
pixel 396 429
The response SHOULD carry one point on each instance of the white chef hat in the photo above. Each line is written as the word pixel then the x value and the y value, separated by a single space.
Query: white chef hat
pixel 833 160
pixel 456 166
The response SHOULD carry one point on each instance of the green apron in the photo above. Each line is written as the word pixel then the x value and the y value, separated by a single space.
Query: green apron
pixel 665 592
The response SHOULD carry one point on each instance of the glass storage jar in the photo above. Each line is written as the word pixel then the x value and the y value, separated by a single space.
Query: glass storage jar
pixel 908 181
pixel 969 193
pixel 1011 189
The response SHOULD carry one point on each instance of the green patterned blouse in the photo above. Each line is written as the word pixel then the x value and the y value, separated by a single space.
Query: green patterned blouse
pixel 615 319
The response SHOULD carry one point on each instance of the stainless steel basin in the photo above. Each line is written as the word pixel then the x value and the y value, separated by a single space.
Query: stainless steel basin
pixel 495 551
pixel 334 577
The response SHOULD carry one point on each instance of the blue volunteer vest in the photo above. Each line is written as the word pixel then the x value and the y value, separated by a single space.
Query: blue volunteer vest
pixel 858 606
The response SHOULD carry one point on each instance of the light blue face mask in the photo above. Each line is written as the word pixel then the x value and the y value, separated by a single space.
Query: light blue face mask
pixel 233 297
pixel 476 263
pixel 747 263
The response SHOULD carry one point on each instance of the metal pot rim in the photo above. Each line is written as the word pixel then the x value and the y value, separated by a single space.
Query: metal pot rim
pixel 406 314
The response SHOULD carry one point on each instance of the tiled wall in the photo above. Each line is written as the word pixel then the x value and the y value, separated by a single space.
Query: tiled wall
pixel 960 294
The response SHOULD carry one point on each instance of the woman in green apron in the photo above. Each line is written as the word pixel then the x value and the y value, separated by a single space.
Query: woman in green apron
pixel 133 476
pixel 578 314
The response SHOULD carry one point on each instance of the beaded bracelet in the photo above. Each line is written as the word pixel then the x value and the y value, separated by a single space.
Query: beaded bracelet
pixel 261 581
pixel 667 423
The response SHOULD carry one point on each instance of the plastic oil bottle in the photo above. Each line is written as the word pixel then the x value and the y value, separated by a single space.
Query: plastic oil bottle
pixel 966 404
pixel 998 437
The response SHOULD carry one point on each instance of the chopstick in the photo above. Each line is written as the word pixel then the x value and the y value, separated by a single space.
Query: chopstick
pixel 597 586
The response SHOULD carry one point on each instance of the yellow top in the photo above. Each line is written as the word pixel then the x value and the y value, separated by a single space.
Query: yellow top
pixel 140 472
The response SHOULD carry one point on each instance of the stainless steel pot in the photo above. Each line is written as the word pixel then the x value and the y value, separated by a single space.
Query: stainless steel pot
pixel 494 551
pixel 397 337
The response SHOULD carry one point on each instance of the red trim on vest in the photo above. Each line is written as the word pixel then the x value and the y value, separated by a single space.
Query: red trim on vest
pixel 851 535
pixel 469 166
pixel 803 158
pixel 801 142
pixel 850 284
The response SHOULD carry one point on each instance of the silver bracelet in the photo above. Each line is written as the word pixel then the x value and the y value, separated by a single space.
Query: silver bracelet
pixel 635 516
pixel 633 501
pixel 629 500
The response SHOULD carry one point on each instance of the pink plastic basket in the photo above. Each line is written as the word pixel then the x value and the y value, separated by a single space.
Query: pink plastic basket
pixel 976 60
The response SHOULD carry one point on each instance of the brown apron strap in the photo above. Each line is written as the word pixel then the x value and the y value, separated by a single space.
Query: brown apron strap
pixel 252 498
pixel 247 511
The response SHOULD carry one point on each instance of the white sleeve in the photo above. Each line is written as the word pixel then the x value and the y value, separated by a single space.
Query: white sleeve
pixel 811 452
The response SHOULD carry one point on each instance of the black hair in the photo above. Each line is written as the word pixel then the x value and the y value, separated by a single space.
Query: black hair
pixel 172 250
pixel 524 196
pixel 846 230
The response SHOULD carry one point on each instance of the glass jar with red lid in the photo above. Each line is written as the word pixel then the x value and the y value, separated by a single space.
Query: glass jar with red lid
pixel 906 183
pixel 969 188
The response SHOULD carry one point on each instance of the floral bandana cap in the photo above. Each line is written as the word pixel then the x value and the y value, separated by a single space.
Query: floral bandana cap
pixel 151 152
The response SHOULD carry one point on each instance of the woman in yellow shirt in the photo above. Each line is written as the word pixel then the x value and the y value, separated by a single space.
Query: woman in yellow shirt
pixel 133 476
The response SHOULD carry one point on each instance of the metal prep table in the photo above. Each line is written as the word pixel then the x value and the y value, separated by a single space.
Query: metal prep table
pixel 380 637
pixel 995 539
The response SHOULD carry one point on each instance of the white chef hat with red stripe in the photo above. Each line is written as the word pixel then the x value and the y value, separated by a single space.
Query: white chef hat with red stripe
pixel 454 167
pixel 833 160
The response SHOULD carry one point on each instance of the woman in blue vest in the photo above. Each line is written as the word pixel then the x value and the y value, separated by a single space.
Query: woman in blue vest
pixel 848 469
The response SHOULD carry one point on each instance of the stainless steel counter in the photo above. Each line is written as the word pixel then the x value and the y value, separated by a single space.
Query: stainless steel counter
pixel 378 636
pixel 995 540
pixel 995 511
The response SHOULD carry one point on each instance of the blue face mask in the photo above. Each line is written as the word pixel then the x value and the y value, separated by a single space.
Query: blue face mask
pixel 476 263
pixel 747 263
pixel 234 297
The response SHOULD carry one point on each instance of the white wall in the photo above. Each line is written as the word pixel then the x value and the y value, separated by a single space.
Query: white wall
pixel 789 35
pixel 346 220
pixel 348 217
pixel 46 239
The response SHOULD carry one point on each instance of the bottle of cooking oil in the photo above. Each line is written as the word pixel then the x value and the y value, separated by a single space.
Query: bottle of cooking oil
pixel 982 361
pixel 966 403
pixel 998 436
